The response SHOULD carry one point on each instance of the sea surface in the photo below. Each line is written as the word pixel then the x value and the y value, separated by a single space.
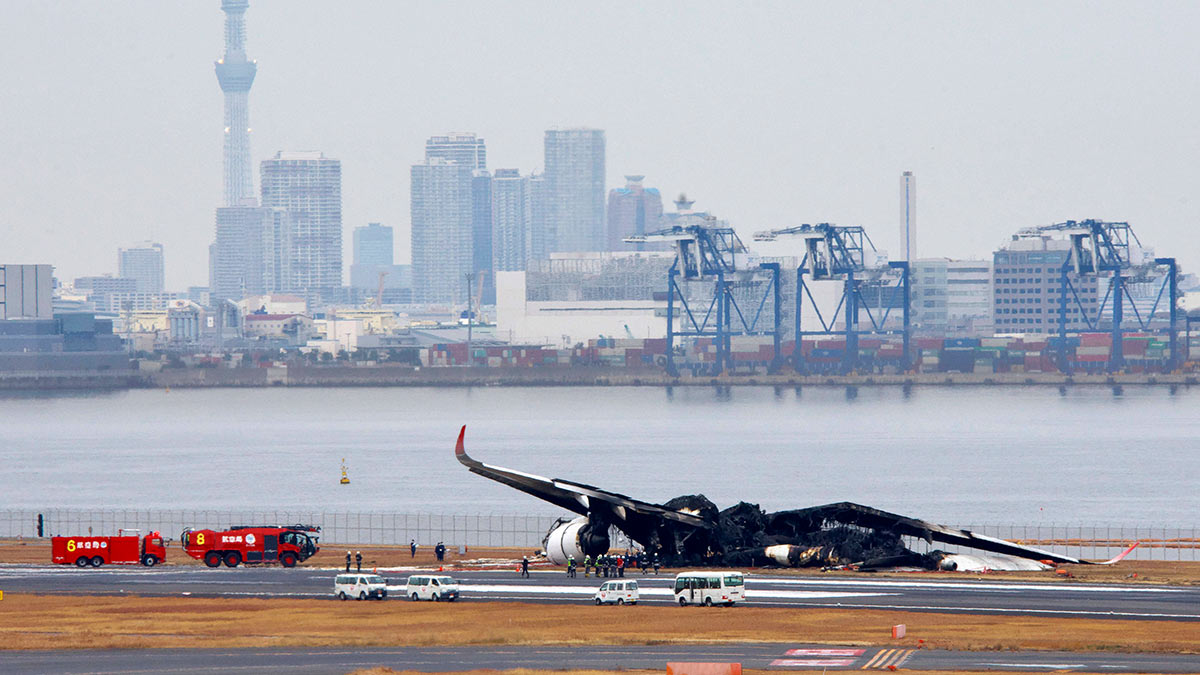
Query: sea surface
pixel 958 455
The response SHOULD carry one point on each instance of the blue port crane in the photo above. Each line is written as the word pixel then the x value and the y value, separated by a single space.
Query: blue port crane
pixel 711 253
pixel 840 252
pixel 1097 248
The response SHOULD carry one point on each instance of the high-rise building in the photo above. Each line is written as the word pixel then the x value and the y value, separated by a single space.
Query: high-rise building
pixel 249 256
pixel 373 245
pixel 442 230
pixel 308 187
pixel 510 220
pixel 908 216
pixel 539 232
pixel 143 264
pixel 481 236
pixel 632 210
pixel 461 148
pixel 235 73
pixel 575 180
pixel 373 255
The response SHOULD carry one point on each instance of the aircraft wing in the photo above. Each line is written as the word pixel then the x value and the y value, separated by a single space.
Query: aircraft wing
pixel 577 497
pixel 849 513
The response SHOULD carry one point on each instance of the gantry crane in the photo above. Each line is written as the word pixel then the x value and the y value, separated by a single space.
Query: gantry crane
pixel 715 254
pixel 1097 248
pixel 839 252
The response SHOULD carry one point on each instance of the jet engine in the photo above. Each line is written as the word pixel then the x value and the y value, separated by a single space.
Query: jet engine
pixel 577 537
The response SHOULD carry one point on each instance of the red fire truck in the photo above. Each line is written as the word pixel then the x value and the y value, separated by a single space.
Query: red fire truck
pixel 285 544
pixel 118 550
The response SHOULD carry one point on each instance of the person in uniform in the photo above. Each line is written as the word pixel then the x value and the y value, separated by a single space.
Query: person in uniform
pixel 347 561
pixel 525 566
pixel 571 566
pixel 358 560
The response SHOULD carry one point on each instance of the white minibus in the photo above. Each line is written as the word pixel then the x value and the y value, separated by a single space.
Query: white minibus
pixel 709 588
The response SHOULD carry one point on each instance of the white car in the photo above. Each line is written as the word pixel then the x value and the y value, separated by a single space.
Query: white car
pixel 434 588
pixel 360 586
pixel 617 593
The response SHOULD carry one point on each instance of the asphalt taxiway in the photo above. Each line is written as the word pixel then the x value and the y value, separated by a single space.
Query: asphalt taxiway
pixel 978 595
pixel 770 656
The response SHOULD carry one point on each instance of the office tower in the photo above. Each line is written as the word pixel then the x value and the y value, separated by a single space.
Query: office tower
pixel 249 254
pixel 461 148
pixel 575 179
pixel 143 264
pixel 442 230
pixel 235 73
pixel 373 245
pixel 510 220
pixel 373 255
pixel 1025 287
pixel 632 210
pixel 908 216
pixel 308 187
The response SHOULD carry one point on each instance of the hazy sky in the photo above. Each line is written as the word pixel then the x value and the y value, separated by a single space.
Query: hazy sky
pixel 769 114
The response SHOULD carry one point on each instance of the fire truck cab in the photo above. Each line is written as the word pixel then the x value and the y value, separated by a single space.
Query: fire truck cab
pixel 119 550
pixel 287 545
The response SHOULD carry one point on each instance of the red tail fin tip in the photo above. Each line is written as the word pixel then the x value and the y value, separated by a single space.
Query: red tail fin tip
pixel 460 449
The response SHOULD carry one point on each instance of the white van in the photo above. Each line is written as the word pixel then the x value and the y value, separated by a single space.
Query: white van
pixel 361 586
pixel 617 592
pixel 432 588
pixel 709 588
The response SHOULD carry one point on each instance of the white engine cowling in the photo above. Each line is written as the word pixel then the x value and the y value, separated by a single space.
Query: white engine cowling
pixel 574 538
pixel 563 540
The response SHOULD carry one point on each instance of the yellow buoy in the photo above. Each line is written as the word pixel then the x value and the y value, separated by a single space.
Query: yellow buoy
pixel 345 479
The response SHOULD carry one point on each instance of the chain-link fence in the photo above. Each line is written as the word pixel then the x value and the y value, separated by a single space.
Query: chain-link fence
pixel 1092 542
pixel 507 530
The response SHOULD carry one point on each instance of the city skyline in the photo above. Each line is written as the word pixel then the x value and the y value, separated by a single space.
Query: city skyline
pixel 984 128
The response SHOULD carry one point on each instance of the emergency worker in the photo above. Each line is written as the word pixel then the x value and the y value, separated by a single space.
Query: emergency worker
pixel 587 565
pixel 571 566
pixel 347 561
pixel 358 560
pixel 525 566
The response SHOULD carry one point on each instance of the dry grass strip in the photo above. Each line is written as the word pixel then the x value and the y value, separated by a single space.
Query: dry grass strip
pixel 58 622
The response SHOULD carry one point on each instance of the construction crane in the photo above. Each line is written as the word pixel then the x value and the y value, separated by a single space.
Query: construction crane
pixel 840 252
pixel 714 253
pixel 1097 248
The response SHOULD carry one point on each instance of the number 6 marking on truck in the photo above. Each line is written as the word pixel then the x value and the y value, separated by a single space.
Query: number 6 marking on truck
pixel 70 544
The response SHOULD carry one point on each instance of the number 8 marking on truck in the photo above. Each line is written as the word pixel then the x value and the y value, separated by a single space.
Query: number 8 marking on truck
pixel 200 538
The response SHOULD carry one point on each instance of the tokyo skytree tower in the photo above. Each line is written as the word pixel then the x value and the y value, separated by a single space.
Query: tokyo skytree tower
pixel 236 73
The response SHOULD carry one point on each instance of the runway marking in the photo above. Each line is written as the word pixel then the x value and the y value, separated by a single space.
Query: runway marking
pixel 653 592
pixel 824 652
pixel 1009 610
pixel 1039 666
pixel 888 658
pixel 812 663
pixel 964 586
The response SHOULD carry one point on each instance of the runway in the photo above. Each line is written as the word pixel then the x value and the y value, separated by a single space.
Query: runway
pixel 976 595
pixel 772 656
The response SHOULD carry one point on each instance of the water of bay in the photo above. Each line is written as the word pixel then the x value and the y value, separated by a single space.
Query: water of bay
pixel 963 455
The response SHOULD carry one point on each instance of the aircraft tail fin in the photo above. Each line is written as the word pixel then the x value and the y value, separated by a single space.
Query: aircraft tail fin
pixel 460 449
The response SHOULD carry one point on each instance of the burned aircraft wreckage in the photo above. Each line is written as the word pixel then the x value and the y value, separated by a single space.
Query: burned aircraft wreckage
pixel 690 530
